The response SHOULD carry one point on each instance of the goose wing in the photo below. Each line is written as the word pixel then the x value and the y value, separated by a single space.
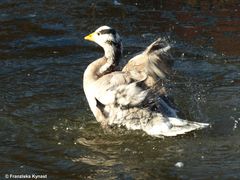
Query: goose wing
pixel 119 89
pixel 153 63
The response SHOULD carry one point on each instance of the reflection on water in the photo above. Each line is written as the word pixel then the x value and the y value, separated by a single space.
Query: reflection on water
pixel 46 125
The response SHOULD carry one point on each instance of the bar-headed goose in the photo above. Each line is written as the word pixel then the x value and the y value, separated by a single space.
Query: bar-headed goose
pixel 126 98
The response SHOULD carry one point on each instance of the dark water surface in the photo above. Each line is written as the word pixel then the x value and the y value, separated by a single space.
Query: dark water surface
pixel 46 126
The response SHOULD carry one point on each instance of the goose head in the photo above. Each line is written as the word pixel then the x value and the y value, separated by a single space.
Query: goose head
pixel 109 40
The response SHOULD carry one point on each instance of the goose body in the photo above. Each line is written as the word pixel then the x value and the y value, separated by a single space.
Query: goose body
pixel 129 98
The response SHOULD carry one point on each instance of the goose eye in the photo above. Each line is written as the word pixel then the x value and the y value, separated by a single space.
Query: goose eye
pixel 98 34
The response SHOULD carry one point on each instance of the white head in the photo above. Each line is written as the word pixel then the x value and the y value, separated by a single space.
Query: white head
pixel 104 36
pixel 111 42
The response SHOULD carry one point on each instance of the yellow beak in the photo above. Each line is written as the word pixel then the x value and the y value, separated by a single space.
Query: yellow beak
pixel 89 37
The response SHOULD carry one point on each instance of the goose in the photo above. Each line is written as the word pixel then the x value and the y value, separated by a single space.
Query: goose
pixel 128 98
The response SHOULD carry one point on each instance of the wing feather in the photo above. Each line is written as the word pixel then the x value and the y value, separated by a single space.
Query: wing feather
pixel 153 63
pixel 119 89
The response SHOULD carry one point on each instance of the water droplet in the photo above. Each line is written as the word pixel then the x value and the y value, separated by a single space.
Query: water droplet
pixel 32 15
pixel 127 150
pixel 179 164
pixel 235 125
pixel 116 3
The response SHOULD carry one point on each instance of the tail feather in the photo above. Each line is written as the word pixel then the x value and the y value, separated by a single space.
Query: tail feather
pixel 172 127
pixel 181 122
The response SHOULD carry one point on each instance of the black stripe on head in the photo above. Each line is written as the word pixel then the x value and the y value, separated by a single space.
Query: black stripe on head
pixel 108 31
pixel 116 44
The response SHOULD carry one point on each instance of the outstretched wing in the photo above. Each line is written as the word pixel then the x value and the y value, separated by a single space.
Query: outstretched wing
pixel 153 63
